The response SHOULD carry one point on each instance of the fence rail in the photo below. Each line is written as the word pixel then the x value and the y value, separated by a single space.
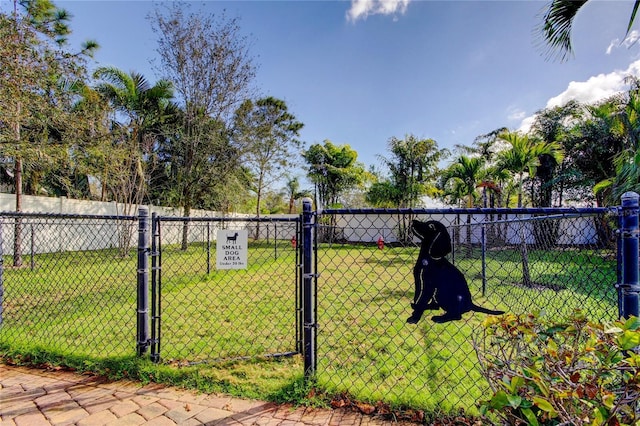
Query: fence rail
pixel 334 286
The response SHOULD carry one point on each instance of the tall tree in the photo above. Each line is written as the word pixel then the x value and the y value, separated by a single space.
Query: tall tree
pixel 412 169
pixel 412 166
pixel 333 169
pixel 591 146
pixel 292 192
pixel 140 110
pixel 466 174
pixel 268 134
pixel 186 177
pixel 494 177
pixel 522 156
pixel 207 59
pixel 627 161
pixel 209 62
pixel 551 125
pixel 33 61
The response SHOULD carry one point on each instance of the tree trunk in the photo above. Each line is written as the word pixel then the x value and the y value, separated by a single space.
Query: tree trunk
pixel 258 201
pixel 185 228
pixel 103 184
pixel 17 233
pixel 469 250
pixel 526 275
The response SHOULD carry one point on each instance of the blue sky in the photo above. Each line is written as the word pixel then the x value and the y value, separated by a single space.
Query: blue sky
pixel 360 72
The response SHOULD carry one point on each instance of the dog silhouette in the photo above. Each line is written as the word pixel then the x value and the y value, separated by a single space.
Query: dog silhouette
pixel 438 283
pixel 232 238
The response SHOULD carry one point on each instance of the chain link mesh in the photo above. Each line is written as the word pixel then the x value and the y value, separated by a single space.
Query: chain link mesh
pixel 365 287
pixel 73 290
pixel 69 284
pixel 214 314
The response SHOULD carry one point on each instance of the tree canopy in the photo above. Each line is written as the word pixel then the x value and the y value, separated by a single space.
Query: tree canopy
pixel 333 169
pixel 202 137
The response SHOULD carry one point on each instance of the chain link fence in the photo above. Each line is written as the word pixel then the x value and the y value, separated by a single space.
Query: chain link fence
pixel 553 263
pixel 68 284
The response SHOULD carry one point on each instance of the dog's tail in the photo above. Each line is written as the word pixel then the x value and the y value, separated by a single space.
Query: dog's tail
pixel 477 308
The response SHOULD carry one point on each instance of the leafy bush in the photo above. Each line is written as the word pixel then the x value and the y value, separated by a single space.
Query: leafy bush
pixel 570 373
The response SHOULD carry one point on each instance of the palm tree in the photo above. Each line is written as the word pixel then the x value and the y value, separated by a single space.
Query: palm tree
pixel 524 157
pixel 627 161
pixel 142 108
pixel 591 146
pixel 131 94
pixel 552 125
pixel 293 192
pixel 558 23
pixel 466 174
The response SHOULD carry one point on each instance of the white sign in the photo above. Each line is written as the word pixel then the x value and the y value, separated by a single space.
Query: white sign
pixel 231 249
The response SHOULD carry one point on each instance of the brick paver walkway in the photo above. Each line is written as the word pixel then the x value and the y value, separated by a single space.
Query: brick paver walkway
pixel 33 397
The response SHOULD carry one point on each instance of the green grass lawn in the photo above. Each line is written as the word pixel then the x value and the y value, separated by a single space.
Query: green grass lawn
pixel 367 349
pixel 82 305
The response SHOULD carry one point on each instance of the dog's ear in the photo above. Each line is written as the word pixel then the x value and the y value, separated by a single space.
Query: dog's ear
pixel 415 224
pixel 441 244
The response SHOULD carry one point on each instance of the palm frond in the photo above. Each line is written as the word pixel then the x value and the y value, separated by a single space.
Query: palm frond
pixel 556 27
pixel 636 4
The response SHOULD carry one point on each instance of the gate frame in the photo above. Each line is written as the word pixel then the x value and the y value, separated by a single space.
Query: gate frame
pixel 150 284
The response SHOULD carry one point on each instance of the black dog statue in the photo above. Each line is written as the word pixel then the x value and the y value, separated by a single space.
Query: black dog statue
pixel 439 284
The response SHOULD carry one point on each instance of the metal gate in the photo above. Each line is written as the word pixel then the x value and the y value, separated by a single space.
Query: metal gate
pixel 200 312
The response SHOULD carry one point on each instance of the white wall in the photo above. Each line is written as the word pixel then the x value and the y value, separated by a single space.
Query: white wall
pixel 64 205
pixel 579 230
pixel 90 234
pixel 53 234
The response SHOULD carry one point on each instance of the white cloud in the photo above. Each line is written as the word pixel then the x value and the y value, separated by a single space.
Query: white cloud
pixel 514 113
pixel 360 9
pixel 629 41
pixel 596 88
pixel 526 124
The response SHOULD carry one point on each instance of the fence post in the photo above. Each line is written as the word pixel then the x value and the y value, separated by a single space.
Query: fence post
pixel 308 293
pixel 619 264
pixel 629 233
pixel 208 247
pixel 1 273
pixel 156 290
pixel 299 319
pixel 143 281
pixel 483 242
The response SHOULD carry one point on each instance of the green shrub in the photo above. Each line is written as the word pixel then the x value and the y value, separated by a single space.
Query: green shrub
pixel 571 373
